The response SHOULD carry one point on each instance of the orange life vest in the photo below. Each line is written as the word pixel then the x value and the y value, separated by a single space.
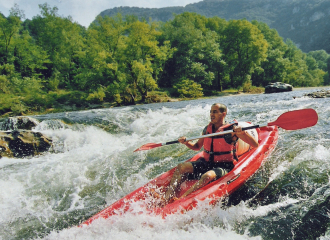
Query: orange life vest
pixel 216 148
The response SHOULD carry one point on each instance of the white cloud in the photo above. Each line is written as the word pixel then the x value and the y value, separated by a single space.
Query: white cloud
pixel 85 11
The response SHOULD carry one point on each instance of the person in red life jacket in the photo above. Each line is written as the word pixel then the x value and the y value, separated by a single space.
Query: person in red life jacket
pixel 218 157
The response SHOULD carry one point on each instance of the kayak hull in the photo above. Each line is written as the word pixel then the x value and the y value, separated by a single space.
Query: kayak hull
pixel 247 165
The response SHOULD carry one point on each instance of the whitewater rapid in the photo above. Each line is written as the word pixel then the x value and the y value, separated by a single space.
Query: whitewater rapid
pixel 92 165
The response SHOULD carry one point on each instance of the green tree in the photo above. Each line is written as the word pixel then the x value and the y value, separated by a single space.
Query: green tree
pixel 274 40
pixel 62 39
pixel 273 69
pixel 29 59
pixel 105 43
pixel 244 49
pixel 311 62
pixel 198 56
pixel 23 60
pixel 218 25
pixel 298 73
pixel 123 56
pixel 141 50
pixel 327 76
pixel 321 57
pixel 188 88
pixel 9 26
pixel 163 54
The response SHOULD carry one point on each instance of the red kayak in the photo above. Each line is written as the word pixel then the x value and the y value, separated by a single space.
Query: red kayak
pixel 247 165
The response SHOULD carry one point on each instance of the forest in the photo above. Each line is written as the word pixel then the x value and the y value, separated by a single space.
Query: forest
pixel 51 61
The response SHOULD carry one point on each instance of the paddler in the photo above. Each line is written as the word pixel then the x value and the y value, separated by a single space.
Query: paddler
pixel 218 157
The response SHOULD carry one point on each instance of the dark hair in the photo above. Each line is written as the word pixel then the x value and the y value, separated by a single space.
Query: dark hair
pixel 222 107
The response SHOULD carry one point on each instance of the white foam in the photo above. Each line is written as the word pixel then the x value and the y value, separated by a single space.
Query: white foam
pixel 91 167
pixel 315 153
pixel 11 194
pixel 203 222
pixel 148 227
pixel 167 124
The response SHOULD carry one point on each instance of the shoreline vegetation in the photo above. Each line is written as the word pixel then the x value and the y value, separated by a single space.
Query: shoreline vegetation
pixel 69 105
pixel 51 64
pixel 159 96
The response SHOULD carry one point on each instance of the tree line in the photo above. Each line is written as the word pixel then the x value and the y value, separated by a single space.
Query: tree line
pixel 51 59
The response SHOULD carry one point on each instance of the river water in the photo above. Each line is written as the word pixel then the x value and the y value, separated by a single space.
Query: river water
pixel 92 165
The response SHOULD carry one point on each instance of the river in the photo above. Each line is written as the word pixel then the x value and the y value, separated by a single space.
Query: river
pixel 92 165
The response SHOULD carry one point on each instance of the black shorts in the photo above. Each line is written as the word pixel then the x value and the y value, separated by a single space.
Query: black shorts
pixel 201 166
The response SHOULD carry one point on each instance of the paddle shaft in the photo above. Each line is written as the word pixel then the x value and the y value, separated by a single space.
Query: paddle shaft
pixel 216 134
pixel 292 120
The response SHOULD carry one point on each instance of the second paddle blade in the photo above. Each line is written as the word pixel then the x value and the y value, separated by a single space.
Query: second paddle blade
pixel 297 119
pixel 148 146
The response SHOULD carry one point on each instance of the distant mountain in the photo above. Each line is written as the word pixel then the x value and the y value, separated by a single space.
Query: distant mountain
pixel 305 22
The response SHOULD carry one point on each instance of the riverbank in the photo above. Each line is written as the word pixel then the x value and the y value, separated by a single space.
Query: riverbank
pixel 66 101
pixel 69 105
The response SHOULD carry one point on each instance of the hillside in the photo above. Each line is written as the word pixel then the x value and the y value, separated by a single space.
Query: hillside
pixel 305 22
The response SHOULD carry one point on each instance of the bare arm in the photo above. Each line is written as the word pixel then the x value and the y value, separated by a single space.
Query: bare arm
pixel 245 136
pixel 194 146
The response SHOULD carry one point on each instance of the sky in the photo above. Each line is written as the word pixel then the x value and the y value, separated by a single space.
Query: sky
pixel 84 11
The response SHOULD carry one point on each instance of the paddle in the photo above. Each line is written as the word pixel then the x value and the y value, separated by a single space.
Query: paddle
pixel 292 120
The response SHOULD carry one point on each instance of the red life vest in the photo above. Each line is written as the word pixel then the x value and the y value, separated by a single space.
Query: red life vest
pixel 216 148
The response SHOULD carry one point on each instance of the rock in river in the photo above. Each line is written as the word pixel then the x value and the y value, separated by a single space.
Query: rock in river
pixel 18 140
pixel 278 87
pixel 319 94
